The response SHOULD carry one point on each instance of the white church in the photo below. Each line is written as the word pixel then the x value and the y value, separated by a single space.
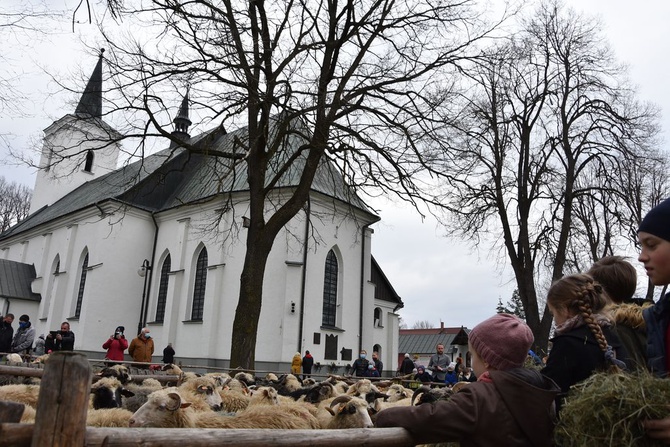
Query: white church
pixel 159 243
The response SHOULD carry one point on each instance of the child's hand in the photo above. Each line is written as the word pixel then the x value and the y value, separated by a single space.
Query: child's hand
pixel 658 429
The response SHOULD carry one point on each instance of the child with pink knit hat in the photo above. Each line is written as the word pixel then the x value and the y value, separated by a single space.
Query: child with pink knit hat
pixel 507 405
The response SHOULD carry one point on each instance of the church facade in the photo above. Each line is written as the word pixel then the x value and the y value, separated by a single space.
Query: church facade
pixel 160 242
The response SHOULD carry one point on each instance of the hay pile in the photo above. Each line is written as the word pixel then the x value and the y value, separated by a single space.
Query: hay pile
pixel 607 410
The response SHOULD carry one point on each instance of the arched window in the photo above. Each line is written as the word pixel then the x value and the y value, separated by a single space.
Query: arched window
pixel 162 289
pixel 199 286
pixel 330 290
pixel 378 317
pixel 49 298
pixel 82 283
pixel 88 165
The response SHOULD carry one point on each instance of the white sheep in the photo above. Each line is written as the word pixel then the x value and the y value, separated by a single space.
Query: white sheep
pixel 108 417
pixel 264 395
pixel 120 372
pixel 233 401
pixel 345 412
pixel 21 393
pixel 202 392
pixel 13 358
pixel 167 408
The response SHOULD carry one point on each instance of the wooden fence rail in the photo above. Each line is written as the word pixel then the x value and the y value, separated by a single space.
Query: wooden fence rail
pixel 60 420
pixel 38 372
pixel 20 435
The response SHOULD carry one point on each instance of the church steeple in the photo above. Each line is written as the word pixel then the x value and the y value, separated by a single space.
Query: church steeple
pixel 181 121
pixel 90 104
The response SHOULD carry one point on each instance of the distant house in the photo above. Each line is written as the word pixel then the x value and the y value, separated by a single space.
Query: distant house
pixel 422 343
pixel 178 217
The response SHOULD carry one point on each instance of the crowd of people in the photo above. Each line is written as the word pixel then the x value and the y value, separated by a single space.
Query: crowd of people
pixel 599 326
pixel 23 342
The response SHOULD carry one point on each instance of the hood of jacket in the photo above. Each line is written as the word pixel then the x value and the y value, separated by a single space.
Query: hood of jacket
pixel 514 387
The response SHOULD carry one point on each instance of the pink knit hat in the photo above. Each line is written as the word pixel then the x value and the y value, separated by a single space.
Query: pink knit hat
pixel 502 341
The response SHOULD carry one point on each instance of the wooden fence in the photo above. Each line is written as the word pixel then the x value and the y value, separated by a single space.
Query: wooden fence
pixel 60 421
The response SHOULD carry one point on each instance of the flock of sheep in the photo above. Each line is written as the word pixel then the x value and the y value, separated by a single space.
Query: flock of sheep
pixel 219 400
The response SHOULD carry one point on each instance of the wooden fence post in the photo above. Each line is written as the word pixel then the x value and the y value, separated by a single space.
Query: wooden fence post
pixel 63 401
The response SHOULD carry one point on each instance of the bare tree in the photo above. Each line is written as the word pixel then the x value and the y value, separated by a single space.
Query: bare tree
pixel 548 113
pixel 423 324
pixel 357 81
pixel 14 203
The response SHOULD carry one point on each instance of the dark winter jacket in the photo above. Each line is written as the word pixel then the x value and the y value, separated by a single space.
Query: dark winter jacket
pixel 407 366
pixel 629 327
pixel 307 363
pixel 52 344
pixel 6 335
pixel 168 354
pixel 372 372
pixel 656 318
pixel 575 355
pixel 360 367
pixel 424 377
pixel 379 366
pixel 514 409
pixel 451 378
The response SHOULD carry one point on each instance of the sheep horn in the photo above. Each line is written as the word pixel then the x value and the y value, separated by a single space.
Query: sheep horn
pixel 340 399
pixel 422 389
pixel 175 402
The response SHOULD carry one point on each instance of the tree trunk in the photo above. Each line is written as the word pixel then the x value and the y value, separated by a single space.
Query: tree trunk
pixel 247 314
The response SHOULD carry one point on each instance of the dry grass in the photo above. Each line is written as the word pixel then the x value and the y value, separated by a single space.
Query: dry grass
pixel 607 410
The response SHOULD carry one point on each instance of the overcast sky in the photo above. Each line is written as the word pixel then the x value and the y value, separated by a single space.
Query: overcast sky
pixel 438 279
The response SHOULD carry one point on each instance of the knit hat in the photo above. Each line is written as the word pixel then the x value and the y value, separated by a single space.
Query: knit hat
pixel 24 317
pixel 657 221
pixel 502 341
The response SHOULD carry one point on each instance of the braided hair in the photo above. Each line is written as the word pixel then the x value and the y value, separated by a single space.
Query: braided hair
pixel 581 295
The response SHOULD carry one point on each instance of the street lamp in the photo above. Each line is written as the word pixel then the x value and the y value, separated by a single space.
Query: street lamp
pixel 454 350
pixel 144 307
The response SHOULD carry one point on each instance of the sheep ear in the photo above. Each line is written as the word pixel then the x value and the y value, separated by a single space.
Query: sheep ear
pixel 127 393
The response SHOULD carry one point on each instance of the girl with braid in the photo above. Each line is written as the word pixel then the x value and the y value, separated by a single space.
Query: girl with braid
pixel 583 340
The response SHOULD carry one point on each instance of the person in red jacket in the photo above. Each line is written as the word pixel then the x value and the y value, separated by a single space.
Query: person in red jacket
pixel 115 345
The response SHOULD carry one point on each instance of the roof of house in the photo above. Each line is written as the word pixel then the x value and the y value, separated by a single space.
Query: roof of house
pixel 423 341
pixel 15 280
pixel 384 290
pixel 175 177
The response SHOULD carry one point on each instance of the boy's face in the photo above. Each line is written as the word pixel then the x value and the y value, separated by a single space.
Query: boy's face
pixel 655 255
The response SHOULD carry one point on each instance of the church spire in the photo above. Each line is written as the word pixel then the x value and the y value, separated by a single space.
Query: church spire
pixel 90 104
pixel 181 121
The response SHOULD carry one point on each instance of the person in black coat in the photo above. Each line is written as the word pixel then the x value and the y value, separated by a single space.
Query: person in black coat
pixel 168 354
pixel 360 366
pixel 6 333
pixel 584 342
pixel 422 375
pixel 407 365
pixel 379 366
pixel 62 340
pixel 307 363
